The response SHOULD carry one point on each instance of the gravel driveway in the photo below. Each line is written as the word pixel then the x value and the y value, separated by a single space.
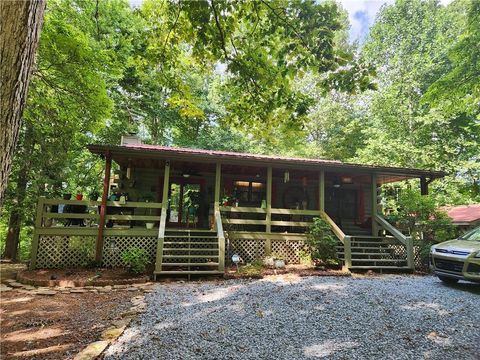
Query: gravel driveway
pixel 384 317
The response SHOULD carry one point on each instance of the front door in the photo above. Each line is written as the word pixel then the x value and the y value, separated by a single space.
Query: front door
pixel 341 203
pixel 184 202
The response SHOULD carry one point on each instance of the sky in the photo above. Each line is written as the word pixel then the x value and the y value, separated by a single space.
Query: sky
pixel 361 14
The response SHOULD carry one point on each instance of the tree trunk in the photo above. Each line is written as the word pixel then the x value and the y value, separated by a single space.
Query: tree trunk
pixel 17 211
pixel 20 25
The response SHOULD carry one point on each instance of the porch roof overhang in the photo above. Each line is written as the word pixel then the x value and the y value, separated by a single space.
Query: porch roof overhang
pixel 124 153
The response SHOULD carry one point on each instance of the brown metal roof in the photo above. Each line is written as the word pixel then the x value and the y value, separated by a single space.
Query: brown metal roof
pixel 187 154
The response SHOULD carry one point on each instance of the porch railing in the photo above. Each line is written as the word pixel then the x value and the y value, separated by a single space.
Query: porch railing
pixel 399 236
pixel 60 238
pixel 258 217
pixel 346 240
pixel 86 213
pixel 221 241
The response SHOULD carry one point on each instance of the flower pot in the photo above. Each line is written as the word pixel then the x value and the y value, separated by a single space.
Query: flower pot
pixel 279 264
pixel 149 225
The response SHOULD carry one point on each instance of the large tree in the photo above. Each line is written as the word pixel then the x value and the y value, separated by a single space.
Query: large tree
pixel 20 25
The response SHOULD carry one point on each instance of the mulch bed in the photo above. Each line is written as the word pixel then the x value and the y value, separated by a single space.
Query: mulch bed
pixel 55 327
pixel 79 277
pixel 299 270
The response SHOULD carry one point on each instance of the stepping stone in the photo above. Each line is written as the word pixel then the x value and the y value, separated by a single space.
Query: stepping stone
pixel 132 289
pixel 45 292
pixel 120 286
pixel 78 291
pixel 104 290
pixel 16 285
pixel 122 322
pixel 5 288
pixel 112 333
pixel 92 351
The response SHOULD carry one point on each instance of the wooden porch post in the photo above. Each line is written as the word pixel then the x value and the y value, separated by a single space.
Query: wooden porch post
pixel 218 181
pixel 374 205
pixel 103 207
pixel 423 186
pixel 268 218
pixel 321 191
pixel 163 218
pixel 217 219
pixel 36 237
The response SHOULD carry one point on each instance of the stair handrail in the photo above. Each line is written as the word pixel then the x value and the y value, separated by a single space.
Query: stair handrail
pixel 397 234
pixel 161 238
pixel 346 240
pixel 221 240
pixel 336 230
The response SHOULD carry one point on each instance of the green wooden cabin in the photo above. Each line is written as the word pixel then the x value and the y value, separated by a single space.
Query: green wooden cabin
pixel 192 209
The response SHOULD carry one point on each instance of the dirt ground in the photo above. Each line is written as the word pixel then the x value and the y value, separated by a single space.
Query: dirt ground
pixel 79 277
pixel 55 327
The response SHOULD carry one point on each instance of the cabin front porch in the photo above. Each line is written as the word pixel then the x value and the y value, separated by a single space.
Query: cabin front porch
pixel 192 215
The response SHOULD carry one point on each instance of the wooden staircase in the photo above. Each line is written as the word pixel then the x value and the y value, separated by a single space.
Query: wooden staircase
pixel 371 252
pixel 187 252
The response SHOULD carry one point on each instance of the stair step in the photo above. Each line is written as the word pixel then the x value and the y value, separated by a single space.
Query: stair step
pixel 190 264
pixel 189 272
pixel 369 248
pixel 191 236
pixel 191 242
pixel 361 267
pixel 360 243
pixel 190 249
pixel 190 256
pixel 379 260
pixel 360 253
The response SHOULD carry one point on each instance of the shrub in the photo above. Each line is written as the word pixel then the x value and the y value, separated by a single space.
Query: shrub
pixel 136 260
pixel 253 269
pixel 322 242
pixel 84 249
pixel 418 215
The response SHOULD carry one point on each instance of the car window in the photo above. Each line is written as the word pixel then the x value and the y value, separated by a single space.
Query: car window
pixel 472 235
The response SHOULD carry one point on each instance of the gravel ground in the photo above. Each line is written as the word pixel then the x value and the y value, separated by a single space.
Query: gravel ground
pixel 285 317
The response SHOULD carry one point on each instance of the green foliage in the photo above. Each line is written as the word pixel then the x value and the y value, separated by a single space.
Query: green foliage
pixel 84 249
pixel 253 269
pixel 136 260
pixel 322 242
pixel 255 76
pixel 420 217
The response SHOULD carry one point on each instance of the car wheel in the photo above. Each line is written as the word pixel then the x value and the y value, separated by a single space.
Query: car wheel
pixel 448 280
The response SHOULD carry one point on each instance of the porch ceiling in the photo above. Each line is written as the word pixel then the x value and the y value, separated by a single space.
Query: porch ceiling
pixel 153 156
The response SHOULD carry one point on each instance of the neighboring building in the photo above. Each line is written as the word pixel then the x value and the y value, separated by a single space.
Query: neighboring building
pixel 192 209
pixel 466 217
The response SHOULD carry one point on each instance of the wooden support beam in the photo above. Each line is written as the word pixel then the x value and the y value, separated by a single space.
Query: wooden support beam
pixel 374 198
pixel 423 185
pixel 347 250
pixel 321 191
pixel 36 236
pixel 163 218
pixel 218 183
pixel 268 242
pixel 218 218
pixel 103 207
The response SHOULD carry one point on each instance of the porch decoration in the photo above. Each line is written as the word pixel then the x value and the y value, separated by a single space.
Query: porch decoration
pixel 286 176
